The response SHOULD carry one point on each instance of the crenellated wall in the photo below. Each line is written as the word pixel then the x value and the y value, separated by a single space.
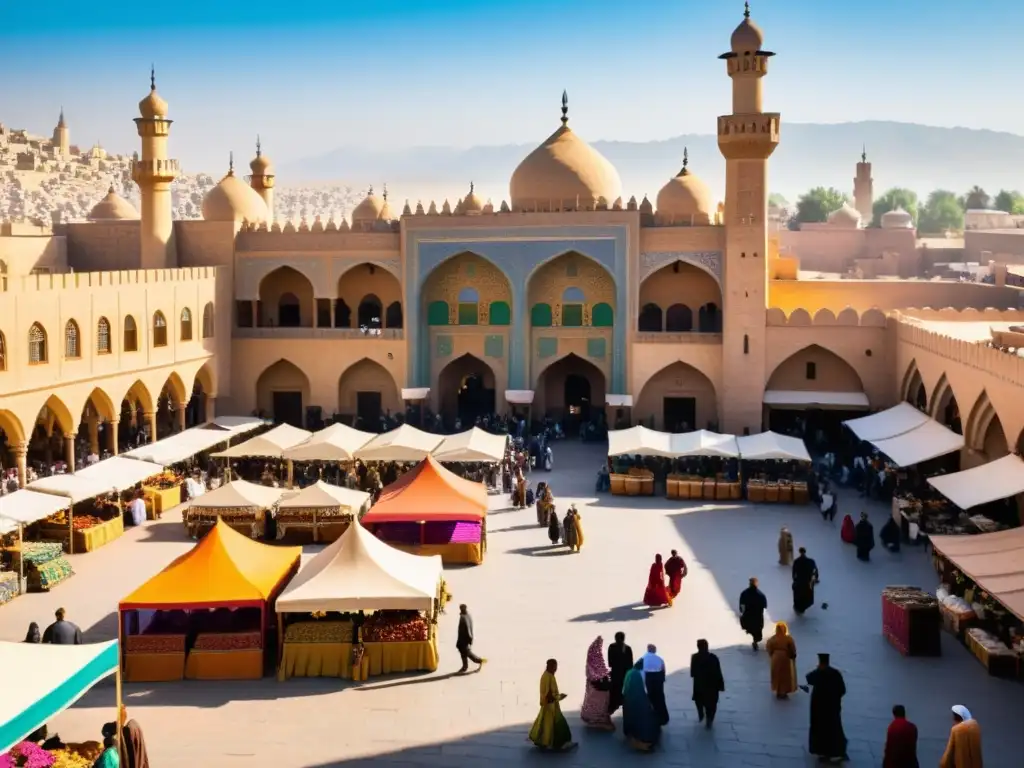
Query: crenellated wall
pixel 862 295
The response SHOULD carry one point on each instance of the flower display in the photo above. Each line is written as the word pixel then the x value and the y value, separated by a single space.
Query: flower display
pixel 26 755
pixel 63 758
pixel 155 643
pixel 163 481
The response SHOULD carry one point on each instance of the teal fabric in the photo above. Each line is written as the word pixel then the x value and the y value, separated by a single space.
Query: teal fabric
pixel 109 759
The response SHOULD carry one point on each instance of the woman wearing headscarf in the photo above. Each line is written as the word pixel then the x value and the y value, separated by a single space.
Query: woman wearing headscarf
pixel 639 722
pixel 847 532
pixel 785 547
pixel 656 593
pixel 594 711
pixel 964 747
pixel 545 504
pixel 134 745
pixel 782 655
pixel 550 730
pixel 109 757
pixel 554 528
pixel 578 523
pixel 569 531
pixel 33 635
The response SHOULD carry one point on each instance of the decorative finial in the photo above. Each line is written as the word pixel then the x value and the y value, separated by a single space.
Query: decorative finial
pixel 746 10
pixel 864 154
pixel 565 108
pixel 231 163
pixel 472 186
pixel 259 147
pixel 385 193
pixel 369 193
pixel 686 161
pixel 152 77
pixel 61 113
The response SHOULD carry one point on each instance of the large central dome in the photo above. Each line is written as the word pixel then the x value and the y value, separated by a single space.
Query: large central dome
pixel 562 172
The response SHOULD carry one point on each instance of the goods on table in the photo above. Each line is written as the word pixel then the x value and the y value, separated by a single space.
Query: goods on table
pixel 155 643
pixel 37 552
pixel 228 641
pixel 46 576
pixel 27 754
pixel 63 758
pixel 9 587
pixel 320 632
pixel 78 522
pixel 395 627
pixel 999 659
pixel 911 621
pixel 163 481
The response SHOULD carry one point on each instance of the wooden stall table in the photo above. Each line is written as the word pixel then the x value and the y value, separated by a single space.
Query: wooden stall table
pixel 618 485
pixel 709 489
pixel 800 494
pixel 771 493
pixel 755 492
pixel 451 554
pixel 647 485
pixel 226 656
pixel 785 493
pixel 386 658
pixel 723 490
pixel 154 658
pixel 633 486
pixel 672 487
pixel 160 500
pixel 317 649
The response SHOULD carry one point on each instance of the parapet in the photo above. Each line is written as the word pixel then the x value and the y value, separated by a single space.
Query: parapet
pixel 967 315
pixel 848 318
pixel 69 281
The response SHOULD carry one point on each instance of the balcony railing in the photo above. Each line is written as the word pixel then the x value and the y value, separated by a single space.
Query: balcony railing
pixel 336 334
pixel 687 337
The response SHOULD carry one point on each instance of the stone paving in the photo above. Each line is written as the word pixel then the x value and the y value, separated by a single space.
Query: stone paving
pixel 530 602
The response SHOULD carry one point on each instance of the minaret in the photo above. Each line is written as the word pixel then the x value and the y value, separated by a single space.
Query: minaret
pixel 262 179
pixel 747 139
pixel 863 189
pixel 154 172
pixel 61 137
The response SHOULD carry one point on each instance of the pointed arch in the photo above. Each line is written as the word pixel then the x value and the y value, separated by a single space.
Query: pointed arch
pixel 465 389
pixel 12 427
pixel 176 389
pixel 571 387
pixel 72 341
pixel 139 393
pixel 38 352
pixel 913 390
pixel 984 431
pixel 130 332
pixel 468 286
pixel 650 319
pixel 815 369
pixel 208 328
pixel 945 408
pixel 370 313
pixel 102 404
pixel 185 322
pixel 373 292
pixel 681 284
pixel 367 390
pixel 282 392
pixel 103 345
pixel 61 415
pixel 286 299
pixel 159 329
pixel 571 283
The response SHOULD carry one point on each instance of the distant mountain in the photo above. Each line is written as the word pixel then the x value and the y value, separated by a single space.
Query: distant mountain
pixel 920 157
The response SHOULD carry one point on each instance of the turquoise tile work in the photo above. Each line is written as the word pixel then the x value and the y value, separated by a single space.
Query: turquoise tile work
pixel 547 347
pixel 444 347
pixel 597 348
pixel 494 346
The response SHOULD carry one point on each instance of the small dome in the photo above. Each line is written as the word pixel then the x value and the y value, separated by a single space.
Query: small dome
pixel 261 165
pixel 845 216
pixel 371 209
pixel 685 199
pixel 113 207
pixel 472 204
pixel 897 219
pixel 747 37
pixel 233 200
pixel 152 106
pixel 564 169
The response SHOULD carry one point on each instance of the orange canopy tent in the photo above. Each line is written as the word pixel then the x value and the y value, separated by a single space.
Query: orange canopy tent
pixel 429 493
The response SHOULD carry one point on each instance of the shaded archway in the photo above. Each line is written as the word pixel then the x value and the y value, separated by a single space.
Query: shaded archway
pixel 569 288
pixel 286 299
pixel 678 398
pixel 465 391
pixel 815 369
pixel 679 319
pixel 650 319
pixel 368 289
pixel 370 314
pixel 170 407
pixel 282 393
pixel 97 418
pixel 945 408
pixel 12 434
pixel 468 290
pixel 203 388
pixel 52 438
pixel 811 393
pixel 913 389
pixel 133 428
pixel 692 295
pixel 984 432
pixel 367 393
pixel 572 390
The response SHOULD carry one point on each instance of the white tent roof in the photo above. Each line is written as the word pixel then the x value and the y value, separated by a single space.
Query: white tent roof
pixel 999 479
pixel 119 472
pixel 74 487
pixel 322 494
pixel 238 493
pixel 888 423
pixel 27 507
pixel 403 444
pixel 41 681
pixel 785 398
pixel 269 445
pixel 771 445
pixel 704 443
pixel 639 441
pixel 360 572
pixel 338 442
pixel 924 442
pixel 472 445
pixel 188 443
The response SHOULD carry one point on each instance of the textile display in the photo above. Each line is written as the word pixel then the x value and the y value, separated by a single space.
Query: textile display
pixel 386 658
pixel 154 667
pixel 9 587
pixel 451 533
pixel 451 554
pixel 45 576
pixel 224 665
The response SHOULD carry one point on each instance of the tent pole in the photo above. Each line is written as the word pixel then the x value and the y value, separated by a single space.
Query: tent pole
pixel 22 587
pixel 71 529
pixel 119 692
pixel 280 639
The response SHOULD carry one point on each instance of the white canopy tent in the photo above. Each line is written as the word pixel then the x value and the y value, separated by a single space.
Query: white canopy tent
pixel 360 572
pixel 120 473
pixel 784 398
pixel 771 445
pixel 41 681
pixel 74 487
pixel 24 507
pixel 238 494
pixel 888 423
pixel 403 444
pixel 704 443
pixel 184 445
pixel 269 445
pixel 924 442
pixel 999 479
pixel 641 441
pixel 472 445
pixel 321 495
pixel 338 442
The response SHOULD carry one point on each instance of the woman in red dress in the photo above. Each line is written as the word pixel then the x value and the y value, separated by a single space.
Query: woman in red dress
pixel 847 531
pixel 656 594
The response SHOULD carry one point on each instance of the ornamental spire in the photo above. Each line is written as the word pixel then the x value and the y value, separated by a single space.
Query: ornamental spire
pixel 746 10
pixel 152 77
pixel 565 108
pixel 231 163
pixel 259 147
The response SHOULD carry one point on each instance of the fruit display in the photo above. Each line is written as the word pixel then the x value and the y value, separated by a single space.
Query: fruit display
pixel 155 643
pixel 163 481
pixel 228 641
pixel 320 632
pixel 64 758
pixel 78 522
pixel 395 627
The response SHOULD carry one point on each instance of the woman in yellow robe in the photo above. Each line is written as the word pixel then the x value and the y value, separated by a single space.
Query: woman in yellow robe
pixel 782 654
pixel 578 522
pixel 551 730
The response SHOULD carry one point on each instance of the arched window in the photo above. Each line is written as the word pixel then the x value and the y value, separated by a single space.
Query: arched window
pixel 393 315
pixel 342 314
pixel 370 312
pixel 289 312
pixel 103 337
pixel 208 320
pixel 159 329
pixel 650 320
pixel 72 347
pixel 603 316
pixel 469 306
pixel 131 334
pixel 573 300
pixel 500 313
pixel 540 316
pixel 573 295
pixel 36 344
pixel 679 319
pixel 186 324
pixel 708 319
pixel 437 313
pixel 3 352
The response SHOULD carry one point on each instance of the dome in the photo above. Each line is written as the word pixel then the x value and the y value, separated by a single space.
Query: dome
pixel 845 216
pixel 260 165
pixel 152 106
pixel 747 37
pixel 685 199
pixel 472 204
pixel 371 209
pixel 233 200
pixel 897 219
pixel 113 207
pixel 562 170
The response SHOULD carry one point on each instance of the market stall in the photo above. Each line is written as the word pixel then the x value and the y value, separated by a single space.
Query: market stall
pixel 322 611
pixel 432 511
pixel 269 445
pixel 42 564
pixel 999 479
pixel 323 509
pixel 472 446
pixel 338 442
pixel 41 681
pixel 241 505
pixel 82 527
pixel 690 463
pixel 891 422
pixel 926 441
pixel 182 446
pixel 403 444
pixel 774 486
pixel 206 616
pixel 122 473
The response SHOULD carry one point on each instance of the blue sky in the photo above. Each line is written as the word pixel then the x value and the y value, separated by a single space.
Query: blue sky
pixel 310 76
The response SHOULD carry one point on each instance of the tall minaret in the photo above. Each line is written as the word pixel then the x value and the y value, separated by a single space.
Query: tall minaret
pixel 863 189
pixel 154 172
pixel 262 179
pixel 746 138
pixel 61 137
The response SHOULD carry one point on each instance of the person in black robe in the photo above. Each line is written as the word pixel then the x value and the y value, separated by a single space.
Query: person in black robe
pixel 864 538
pixel 826 738
pixel 890 535
pixel 805 576
pixel 753 604
pixel 654 681
pixel 554 527
pixel 708 682
pixel 620 661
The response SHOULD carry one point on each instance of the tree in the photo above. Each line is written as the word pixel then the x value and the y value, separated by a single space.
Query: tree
pixel 817 204
pixel 1009 201
pixel 894 198
pixel 941 212
pixel 777 200
pixel 976 199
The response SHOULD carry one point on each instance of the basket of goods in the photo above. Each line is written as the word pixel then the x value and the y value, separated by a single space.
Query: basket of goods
pixel 155 644
pixel 9 587
pixel 395 627
pixel 228 641
pixel 320 632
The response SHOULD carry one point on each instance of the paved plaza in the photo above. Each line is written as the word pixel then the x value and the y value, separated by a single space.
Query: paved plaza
pixel 530 602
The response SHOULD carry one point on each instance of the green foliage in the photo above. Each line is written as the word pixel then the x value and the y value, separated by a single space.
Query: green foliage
pixel 777 200
pixel 894 198
pixel 977 199
pixel 1010 201
pixel 941 212
pixel 817 204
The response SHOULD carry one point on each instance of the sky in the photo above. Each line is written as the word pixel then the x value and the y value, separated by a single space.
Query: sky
pixel 312 76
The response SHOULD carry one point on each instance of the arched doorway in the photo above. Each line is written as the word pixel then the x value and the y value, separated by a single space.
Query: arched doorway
pixel 367 395
pixel 286 300
pixel 282 393
pixel 133 429
pixel 11 435
pixel 945 408
pixel 913 389
pixel 371 313
pixel 466 391
pixel 572 390
pixel 692 297
pixel 678 398
pixel 985 434
pixel 92 439
pixel 52 436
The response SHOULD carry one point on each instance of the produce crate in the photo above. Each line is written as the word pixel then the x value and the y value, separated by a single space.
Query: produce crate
pixel 956 623
pixel 9 586
pixel 1004 665
pixel 160 500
